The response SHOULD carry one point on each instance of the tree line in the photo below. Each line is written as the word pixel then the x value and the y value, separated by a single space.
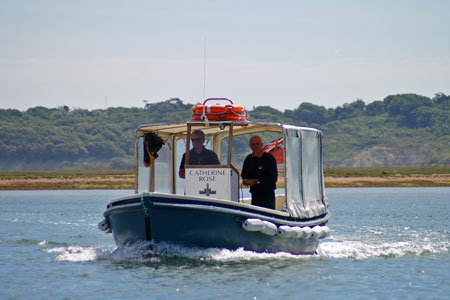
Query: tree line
pixel 409 127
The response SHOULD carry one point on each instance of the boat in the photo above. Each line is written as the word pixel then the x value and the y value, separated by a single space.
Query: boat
pixel 211 208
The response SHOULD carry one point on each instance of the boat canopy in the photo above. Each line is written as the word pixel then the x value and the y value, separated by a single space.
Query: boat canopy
pixel 304 195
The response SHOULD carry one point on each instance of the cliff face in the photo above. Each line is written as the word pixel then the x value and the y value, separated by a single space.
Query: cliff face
pixel 384 156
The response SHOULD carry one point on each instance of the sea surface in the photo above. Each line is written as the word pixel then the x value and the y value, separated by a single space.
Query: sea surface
pixel 385 243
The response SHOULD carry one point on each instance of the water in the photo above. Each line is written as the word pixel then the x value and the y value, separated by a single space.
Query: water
pixel 386 243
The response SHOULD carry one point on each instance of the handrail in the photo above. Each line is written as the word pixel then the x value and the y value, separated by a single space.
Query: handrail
pixel 220 99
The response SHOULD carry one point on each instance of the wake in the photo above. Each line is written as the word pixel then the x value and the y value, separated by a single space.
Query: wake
pixel 156 252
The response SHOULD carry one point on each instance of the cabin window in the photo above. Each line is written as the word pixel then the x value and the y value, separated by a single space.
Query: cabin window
pixel 241 149
pixel 293 148
pixel 311 163
pixel 143 182
pixel 304 172
pixel 161 168
pixel 180 182
pixel 162 165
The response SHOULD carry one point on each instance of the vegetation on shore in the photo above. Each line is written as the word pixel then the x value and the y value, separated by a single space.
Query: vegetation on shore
pixel 124 179
pixel 400 130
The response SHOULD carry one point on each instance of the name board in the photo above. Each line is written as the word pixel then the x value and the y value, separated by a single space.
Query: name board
pixel 212 182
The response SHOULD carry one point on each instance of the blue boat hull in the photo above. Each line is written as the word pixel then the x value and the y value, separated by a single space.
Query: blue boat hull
pixel 200 222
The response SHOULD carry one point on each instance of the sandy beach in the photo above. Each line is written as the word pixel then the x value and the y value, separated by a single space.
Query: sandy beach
pixel 127 182
pixel 68 183
pixel 434 180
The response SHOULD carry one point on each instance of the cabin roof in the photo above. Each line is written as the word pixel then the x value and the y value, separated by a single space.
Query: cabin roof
pixel 213 127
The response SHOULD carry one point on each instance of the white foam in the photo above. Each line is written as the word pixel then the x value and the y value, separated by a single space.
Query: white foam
pixel 78 253
pixel 215 254
pixel 155 251
pixel 363 250
pixel 147 251
pixel 140 251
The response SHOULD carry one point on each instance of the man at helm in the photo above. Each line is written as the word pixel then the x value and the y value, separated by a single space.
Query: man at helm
pixel 198 155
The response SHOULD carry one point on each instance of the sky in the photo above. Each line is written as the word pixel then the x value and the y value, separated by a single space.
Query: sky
pixel 95 54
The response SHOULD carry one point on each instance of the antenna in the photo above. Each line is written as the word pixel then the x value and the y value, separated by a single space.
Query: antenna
pixel 204 72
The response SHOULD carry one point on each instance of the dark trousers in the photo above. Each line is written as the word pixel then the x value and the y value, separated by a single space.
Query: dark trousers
pixel 264 200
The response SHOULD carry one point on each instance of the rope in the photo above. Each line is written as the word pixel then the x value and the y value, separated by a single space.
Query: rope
pixel 148 225
pixel 143 204
pixel 241 115
pixel 205 117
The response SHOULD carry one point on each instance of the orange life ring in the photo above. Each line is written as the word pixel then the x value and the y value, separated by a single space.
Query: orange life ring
pixel 230 116
pixel 218 112
pixel 218 109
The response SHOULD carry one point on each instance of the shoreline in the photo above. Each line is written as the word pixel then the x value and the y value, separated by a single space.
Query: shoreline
pixel 437 180
pixel 127 182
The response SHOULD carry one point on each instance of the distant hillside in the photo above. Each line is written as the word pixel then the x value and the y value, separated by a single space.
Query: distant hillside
pixel 401 130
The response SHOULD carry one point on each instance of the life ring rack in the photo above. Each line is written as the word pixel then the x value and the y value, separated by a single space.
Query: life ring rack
pixel 217 112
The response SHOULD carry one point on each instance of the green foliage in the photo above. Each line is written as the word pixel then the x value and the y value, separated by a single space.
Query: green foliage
pixel 263 113
pixel 375 108
pixel 61 138
pixel 405 107
pixel 309 113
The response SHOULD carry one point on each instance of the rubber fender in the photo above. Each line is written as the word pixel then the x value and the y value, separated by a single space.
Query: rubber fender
pixel 253 225
pixel 317 232
pixel 307 232
pixel 269 228
pixel 327 231
pixel 286 232
pixel 298 232
pixel 104 226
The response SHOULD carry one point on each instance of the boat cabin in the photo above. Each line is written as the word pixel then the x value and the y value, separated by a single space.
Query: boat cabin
pixel 300 186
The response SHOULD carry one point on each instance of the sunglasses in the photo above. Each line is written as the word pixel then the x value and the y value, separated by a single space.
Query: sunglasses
pixel 196 140
pixel 255 144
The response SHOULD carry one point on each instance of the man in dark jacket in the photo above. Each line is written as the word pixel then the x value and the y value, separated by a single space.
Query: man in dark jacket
pixel 198 155
pixel 260 173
